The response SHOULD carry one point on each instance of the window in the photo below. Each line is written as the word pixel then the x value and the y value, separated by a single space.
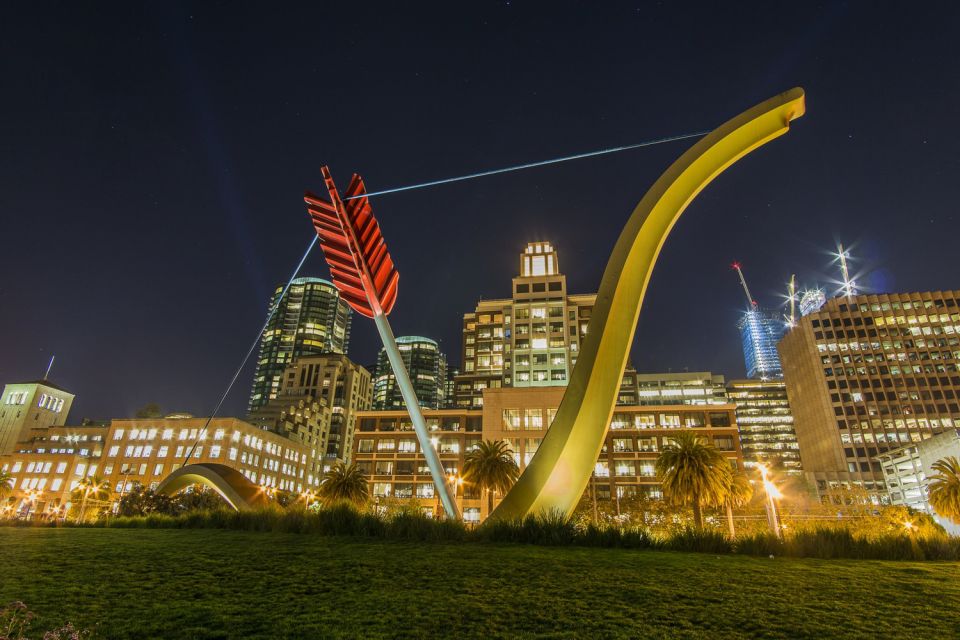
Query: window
pixel 385 468
pixel 365 446
pixel 622 444
pixel 382 489
pixel 669 420
pixel 215 451
pixel 386 444
pixel 511 419
pixel 425 490
pixel 407 445
pixel 114 450
pixel 626 468
pixel 158 470
pixel 533 419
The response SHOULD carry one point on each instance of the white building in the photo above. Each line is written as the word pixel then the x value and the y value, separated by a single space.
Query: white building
pixel 907 472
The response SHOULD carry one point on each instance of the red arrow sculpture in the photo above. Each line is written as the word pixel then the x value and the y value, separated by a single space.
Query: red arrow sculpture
pixel 364 274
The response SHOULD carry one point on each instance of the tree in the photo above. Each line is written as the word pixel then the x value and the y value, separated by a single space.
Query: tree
pixel 90 488
pixel 944 490
pixel 736 493
pixel 141 501
pixel 693 472
pixel 149 410
pixel 344 483
pixel 491 468
pixel 6 485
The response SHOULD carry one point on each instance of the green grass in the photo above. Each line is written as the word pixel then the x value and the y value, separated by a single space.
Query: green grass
pixel 171 583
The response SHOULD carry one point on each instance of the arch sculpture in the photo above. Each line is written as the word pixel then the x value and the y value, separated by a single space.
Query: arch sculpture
pixel 559 472
pixel 233 486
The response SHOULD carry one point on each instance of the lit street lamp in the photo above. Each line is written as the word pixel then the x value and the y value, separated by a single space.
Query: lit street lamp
pixel 772 493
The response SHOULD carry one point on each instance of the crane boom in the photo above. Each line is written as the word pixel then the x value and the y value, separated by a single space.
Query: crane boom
pixel 743 282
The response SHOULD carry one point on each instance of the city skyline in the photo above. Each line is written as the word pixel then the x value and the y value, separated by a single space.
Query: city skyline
pixel 224 172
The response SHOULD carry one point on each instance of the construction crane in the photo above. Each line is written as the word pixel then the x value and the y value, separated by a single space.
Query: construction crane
pixel 849 285
pixel 791 319
pixel 736 266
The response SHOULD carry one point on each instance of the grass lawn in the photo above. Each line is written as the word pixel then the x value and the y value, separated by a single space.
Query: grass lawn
pixel 166 583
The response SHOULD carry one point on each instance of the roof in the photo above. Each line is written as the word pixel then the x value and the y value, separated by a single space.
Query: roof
pixel 46 383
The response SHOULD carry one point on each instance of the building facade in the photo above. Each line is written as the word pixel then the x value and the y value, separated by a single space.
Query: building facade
pixel 310 319
pixel 336 385
pixel 49 465
pixel 760 331
pixel 908 470
pixel 427 367
pixel 28 405
pixel 867 374
pixel 528 340
pixel 766 423
pixel 656 389
pixel 387 448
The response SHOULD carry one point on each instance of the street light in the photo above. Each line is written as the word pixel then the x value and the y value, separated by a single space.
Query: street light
pixel 773 493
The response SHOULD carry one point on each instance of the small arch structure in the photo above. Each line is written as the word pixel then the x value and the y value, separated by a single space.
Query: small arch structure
pixel 233 486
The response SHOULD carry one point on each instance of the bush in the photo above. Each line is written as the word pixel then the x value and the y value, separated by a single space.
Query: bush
pixel 702 540
pixel 552 529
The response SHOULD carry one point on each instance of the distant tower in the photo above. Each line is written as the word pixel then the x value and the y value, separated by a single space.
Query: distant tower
pixel 427 366
pixel 760 331
pixel 310 320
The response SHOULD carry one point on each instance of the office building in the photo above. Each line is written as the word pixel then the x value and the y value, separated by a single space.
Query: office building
pixel 48 467
pixel 867 374
pixel 528 340
pixel 766 423
pixel 760 331
pixel 310 319
pixel 427 368
pixel 30 405
pixel 387 450
pixel 908 472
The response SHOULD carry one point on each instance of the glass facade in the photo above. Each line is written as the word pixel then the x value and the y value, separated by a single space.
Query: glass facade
pixel 310 320
pixel 427 367
pixel 760 331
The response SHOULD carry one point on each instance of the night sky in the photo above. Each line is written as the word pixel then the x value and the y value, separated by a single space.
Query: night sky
pixel 153 160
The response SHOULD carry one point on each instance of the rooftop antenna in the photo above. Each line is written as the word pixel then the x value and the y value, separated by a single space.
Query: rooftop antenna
pixel 792 296
pixel 750 301
pixel 849 285
pixel 49 366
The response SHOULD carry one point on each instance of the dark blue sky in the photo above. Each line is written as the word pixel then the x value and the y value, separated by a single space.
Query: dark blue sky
pixel 153 160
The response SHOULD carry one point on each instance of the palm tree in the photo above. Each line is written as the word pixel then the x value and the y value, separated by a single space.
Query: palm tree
pixel 6 488
pixel 736 494
pixel 693 472
pixel 344 483
pixel 944 491
pixel 491 467
pixel 90 487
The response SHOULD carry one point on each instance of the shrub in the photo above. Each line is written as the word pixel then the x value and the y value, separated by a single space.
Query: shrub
pixel 702 540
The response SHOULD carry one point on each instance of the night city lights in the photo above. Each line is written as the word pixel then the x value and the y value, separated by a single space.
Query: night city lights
pixel 494 320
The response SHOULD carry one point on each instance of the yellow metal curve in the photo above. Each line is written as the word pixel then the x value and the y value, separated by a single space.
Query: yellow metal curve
pixel 233 486
pixel 560 470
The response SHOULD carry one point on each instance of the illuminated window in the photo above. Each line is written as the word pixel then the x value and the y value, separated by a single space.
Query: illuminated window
pixel 533 419
pixel 511 419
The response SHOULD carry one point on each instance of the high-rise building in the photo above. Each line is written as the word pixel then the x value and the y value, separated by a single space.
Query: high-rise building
pixel 693 388
pixel 766 423
pixel 869 373
pixel 760 330
pixel 528 340
pixel 310 320
pixel 30 405
pixel 427 367
pixel 337 384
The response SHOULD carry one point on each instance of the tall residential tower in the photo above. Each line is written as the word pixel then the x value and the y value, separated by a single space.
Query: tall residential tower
pixel 310 320
pixel 427 367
